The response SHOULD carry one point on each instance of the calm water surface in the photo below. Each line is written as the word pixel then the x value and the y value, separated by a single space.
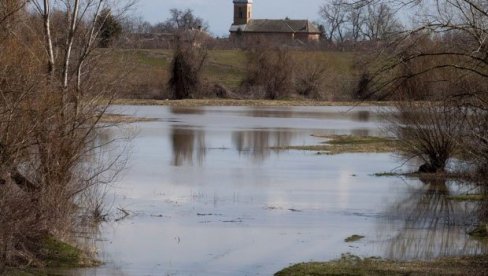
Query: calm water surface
pixel 208 195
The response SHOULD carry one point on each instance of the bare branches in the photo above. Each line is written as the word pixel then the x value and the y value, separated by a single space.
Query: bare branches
pixel 369 20
pixel 443 61
pixel 9 9
pixel 52 150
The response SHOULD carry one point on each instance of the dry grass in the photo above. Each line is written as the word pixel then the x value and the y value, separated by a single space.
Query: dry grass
pixel 349 144
pixel 150 70
pixel 123 119
pixel 352 265
pixel 236 102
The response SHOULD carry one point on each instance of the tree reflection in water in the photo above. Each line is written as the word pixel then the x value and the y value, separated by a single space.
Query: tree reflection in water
pixel 260 143
pixel 188 144
pixel 433 225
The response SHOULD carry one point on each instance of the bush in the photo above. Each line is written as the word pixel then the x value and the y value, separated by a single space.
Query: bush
pixel 429 131
pixel 310 79
pixel 186 69
pixel 270 73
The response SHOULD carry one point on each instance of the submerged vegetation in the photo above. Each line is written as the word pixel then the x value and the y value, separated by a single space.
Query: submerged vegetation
pixel 353 265
pixel 354 238
pixel 348 144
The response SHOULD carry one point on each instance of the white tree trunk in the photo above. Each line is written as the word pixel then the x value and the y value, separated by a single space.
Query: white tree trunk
pixel 69 42
pixel 48 37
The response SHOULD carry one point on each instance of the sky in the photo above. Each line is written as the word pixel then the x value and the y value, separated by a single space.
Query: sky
pixel 219 13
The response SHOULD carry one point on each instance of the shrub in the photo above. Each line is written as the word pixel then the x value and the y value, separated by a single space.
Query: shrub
pixel 270 72
pixel 186 69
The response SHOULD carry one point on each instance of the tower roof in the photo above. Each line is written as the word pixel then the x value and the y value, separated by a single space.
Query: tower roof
pixel 243 1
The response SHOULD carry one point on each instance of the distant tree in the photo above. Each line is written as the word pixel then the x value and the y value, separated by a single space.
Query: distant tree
pixel 334 15
pixel 184 20
pixel 380 21
pixel 110 28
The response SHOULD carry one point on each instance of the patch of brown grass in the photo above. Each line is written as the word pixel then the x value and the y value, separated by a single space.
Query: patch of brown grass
pixel 338 144
pixel 353 265
pixel 237 102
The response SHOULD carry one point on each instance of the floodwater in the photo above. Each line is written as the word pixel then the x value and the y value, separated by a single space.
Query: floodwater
pixel 208 194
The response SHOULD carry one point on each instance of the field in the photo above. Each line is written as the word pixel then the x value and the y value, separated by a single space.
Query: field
pixel 150 69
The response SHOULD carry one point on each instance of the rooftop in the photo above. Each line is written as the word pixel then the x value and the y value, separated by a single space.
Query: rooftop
pixel 276 26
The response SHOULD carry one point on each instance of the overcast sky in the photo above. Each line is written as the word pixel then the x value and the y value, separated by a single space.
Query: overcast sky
pixel 218 13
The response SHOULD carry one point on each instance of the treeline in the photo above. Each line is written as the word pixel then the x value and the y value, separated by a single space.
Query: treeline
pixel 349 22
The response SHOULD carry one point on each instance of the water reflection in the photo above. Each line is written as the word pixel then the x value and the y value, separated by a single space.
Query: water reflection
pixel 186 110
pixel 260 143
pixel 270 113
pixel 345 113
pixel 188 144
pixel 431 224
pixel 361 132
pixel 362 116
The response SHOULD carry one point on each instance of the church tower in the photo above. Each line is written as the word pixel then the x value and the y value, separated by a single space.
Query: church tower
pixel 242 11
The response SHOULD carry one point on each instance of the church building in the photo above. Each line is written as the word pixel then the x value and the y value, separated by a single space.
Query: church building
pixel 245 27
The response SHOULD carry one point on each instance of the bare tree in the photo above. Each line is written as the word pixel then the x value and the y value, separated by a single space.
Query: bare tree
pixel 49 124
pixel 270 72
pixel 452 35
pixel 380 22
pixel 334 15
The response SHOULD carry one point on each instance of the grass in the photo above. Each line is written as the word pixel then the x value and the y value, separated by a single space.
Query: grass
pixel 381 174
pixel 468 197
pixel 354 238
pixel 348 144
pixel 353 265
pixel 118 118
pixel 62 255
pixel 236 102
pixel 226 67
pixel 55 254
pixel 480 232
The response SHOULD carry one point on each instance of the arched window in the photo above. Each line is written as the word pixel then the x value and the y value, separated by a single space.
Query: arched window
pixel 241 14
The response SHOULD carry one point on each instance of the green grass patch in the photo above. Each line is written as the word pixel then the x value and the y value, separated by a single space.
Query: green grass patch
pixel 348 144
pixel 354 238
pixel 156 59
pixel 55 253
pixel 123 119
pixel 226 67
pixel 480 232
pixel 353 265
pixel 54 256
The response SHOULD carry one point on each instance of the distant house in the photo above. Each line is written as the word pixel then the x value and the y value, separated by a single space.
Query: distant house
pixel 244 27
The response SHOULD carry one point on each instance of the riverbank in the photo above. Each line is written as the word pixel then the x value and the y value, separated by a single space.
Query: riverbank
pixel 353 265
pixel 237 102
pixel 53 255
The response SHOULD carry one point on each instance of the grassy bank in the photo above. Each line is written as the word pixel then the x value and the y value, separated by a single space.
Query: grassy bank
pixel 235 102
pixel 53 255
pixel 150 68
pixel 352 265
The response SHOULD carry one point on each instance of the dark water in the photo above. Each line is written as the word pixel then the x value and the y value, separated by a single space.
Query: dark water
pixel 208 195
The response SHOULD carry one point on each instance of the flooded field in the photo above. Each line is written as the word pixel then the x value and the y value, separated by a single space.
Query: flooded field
pixel 207 194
